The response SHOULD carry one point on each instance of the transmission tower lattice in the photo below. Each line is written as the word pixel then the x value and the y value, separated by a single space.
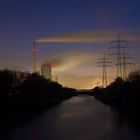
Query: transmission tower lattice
pixel 122 56
pixel 104 62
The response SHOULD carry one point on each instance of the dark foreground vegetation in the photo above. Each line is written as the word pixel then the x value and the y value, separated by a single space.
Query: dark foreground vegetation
pixel 124 95
pixel 24 95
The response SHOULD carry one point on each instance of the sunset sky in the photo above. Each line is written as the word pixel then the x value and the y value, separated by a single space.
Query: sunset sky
pixel 76 34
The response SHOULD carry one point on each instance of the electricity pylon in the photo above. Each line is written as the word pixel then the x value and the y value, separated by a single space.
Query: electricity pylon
pixel 122 57
pixel 104 62
pixel 125 62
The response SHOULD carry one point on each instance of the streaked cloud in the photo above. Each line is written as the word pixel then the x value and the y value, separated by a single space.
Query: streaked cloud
pixel 86 36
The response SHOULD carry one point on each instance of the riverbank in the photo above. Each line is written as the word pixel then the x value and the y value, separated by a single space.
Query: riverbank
pixel 24 96
pixel 123 96
pixel 16 111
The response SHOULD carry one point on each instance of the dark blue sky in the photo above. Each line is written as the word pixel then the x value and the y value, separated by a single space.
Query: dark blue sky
pixel 22 21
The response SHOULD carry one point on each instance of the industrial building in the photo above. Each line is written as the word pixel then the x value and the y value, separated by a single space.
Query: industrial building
pixel 55 78
pixel 46 71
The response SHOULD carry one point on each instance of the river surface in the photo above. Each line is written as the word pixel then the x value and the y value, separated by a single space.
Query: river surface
pixel 79 118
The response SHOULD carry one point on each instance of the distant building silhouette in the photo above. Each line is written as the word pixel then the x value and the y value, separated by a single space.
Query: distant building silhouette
pixel 55 78
pixel 46 71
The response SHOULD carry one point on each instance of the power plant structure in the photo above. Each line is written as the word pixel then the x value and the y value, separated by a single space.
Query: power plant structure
pixel 45 68
pixel 34 56
pixel 120 51
pixel 46 71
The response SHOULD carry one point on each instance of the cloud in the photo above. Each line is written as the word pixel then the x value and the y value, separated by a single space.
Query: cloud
pixel 71 60
pixel 86 36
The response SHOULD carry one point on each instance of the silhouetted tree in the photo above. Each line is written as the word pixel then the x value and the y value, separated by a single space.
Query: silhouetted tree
pixel 124 95
pixel 134 76
pixel 7 82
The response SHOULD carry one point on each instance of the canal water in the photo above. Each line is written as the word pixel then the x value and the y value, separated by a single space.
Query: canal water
pixel 79 118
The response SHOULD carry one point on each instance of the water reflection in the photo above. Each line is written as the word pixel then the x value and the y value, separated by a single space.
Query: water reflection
pixel 80 118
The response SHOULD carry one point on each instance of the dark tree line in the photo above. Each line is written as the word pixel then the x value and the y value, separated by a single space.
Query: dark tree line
pixel 22 93
pixel 123 94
